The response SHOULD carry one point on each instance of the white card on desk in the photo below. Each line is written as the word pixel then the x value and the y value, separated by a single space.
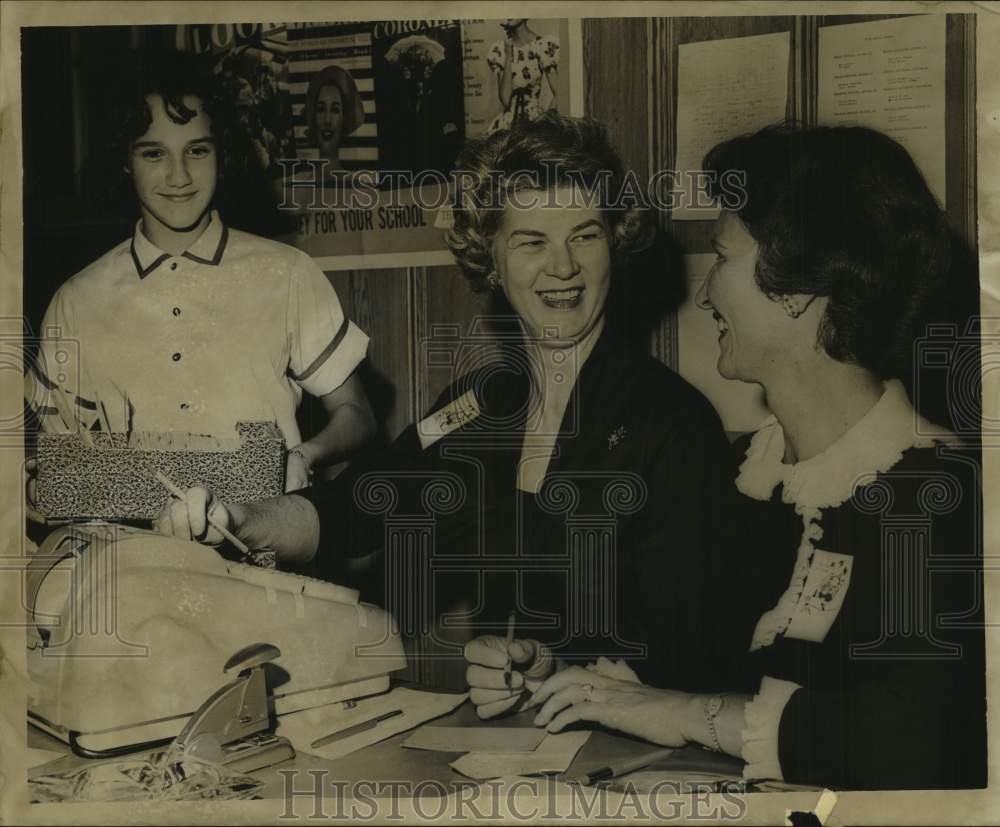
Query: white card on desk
pixel 554 754
pixel 476 739
pixel 306 727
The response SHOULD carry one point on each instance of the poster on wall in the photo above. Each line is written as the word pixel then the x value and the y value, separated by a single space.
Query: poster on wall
pixel 251 60
pixel 889 75
pixel 380 110
pixel 537 56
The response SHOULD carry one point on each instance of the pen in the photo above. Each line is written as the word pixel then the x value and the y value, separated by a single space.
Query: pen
pixel 225 532
pixel 510 640
pixel 622 767
pixel 355 729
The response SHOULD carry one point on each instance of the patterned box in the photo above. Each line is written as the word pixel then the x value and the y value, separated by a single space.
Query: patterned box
pixel 116 477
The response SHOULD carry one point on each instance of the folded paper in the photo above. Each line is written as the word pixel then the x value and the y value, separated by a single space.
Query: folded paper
pixel 553 755
pixel 476 739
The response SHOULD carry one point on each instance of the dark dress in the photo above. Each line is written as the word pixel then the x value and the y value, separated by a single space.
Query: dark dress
pixel 893 695
pixel 616 555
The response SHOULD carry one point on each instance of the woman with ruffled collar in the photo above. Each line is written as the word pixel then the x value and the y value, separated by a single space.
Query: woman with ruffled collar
pixel 865 667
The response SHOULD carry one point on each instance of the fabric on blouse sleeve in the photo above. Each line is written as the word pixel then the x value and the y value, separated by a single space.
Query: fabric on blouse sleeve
pixel 885 735
pixel 326 346
pixel 548 52
pixel 494 58
pixel 57 386
pixel 760 738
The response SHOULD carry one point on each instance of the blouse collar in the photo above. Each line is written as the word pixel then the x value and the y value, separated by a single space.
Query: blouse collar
pixel 873 445
pixel 207 249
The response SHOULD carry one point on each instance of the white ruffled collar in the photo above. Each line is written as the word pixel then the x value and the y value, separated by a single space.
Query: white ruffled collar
pixel 875 444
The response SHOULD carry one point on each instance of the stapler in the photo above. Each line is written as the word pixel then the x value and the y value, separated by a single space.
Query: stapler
pixel 230 728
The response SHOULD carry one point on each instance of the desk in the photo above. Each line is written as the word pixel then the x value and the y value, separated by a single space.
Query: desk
pixel 389 761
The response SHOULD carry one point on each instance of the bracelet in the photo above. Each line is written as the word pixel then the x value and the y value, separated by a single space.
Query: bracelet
pixel 713 706
pixel 305 459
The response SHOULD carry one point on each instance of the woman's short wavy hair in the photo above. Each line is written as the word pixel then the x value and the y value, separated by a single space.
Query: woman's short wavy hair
pixel 552 151
pixel 842 212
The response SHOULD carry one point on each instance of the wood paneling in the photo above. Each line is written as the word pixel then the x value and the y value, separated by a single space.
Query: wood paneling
pixel 446 320
pixel 615 83
pixel 378 302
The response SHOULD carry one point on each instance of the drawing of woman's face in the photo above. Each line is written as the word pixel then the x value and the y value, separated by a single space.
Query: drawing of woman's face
pixel 329 121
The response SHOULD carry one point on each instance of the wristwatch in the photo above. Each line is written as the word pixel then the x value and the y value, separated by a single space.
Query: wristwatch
pixel 305 459
pixel 713 706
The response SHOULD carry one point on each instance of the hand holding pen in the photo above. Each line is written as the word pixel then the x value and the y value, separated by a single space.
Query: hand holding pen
pixel 511 620
pixel 499 671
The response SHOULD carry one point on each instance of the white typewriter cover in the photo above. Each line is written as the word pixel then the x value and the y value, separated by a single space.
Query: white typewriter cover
pixel 132 629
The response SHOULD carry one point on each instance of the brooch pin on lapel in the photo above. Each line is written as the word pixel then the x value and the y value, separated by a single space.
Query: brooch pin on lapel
pixel 616 437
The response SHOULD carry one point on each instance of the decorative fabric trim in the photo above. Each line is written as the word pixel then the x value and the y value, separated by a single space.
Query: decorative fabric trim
pixel 760 738
pixel 334 343
pixel 145 271
pixel 147 257
pixel 775 621
pixel 875 444
pixel 219 250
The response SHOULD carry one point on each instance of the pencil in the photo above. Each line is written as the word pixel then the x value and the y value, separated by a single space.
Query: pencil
pixel 507 678
pixel 225 532
pixel 341 734
pixel 623 766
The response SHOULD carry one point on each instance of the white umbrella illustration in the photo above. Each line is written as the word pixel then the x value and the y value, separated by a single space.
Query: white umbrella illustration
pixel 418 48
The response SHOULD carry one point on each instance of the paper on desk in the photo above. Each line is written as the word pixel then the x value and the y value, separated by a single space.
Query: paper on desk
pixel 554 754
pixel 476 739
pixel 305 727
pixel 36 757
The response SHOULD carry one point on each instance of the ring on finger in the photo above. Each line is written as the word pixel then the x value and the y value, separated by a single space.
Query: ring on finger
pixel 588 691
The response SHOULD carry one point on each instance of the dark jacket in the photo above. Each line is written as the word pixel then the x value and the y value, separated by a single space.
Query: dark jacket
pixel 617 555
pixel 894 697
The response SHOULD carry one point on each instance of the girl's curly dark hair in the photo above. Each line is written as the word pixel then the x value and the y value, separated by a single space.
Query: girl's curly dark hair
pixel 173 76
pixel 243 192
pixel 553 150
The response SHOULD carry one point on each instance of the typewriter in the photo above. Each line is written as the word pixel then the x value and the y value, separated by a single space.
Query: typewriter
pixel 129 633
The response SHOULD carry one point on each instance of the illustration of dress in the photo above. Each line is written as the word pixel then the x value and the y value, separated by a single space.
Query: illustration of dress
pixel 529 65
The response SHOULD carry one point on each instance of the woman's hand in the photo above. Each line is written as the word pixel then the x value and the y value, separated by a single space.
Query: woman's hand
pixel 489 657
pixel 297 471
pixel 187 519
pixel 578 694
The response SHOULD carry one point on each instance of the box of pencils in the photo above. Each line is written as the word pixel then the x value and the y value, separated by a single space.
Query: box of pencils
pixel 112 476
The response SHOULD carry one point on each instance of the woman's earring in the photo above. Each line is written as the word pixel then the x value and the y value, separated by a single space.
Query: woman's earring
pixel 794 307
pixel 791 306
pixel 493 280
